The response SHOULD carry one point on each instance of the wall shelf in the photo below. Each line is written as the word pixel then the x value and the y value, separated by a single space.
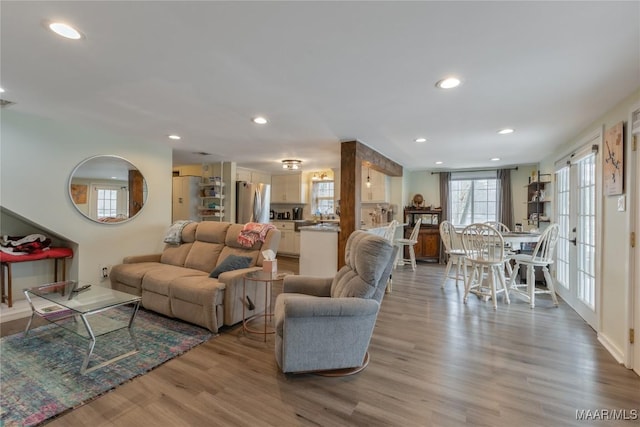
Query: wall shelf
pixel 537 200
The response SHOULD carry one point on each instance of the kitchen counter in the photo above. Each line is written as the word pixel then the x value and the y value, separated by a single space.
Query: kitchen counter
pixel 322 228
pixel 319 250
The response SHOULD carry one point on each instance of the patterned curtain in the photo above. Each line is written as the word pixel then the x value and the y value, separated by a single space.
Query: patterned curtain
pixel 505 199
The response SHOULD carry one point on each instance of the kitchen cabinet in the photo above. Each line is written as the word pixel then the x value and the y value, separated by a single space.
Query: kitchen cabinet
pixel 378 191
pixel 428 246
pixel 538 200
pixel 252 176
pixel 289 238
pixel 318 251
pixel 185 198
pixel 288 189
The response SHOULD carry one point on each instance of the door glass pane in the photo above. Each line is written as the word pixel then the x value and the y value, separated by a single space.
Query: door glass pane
pixel 562 249
pixel 107 203
pixel 586 231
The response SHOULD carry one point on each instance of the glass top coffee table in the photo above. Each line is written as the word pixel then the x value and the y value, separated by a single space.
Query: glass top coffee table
pixel 79 308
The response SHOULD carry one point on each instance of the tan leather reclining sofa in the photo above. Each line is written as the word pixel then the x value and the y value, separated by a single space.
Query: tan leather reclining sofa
pixel 176 282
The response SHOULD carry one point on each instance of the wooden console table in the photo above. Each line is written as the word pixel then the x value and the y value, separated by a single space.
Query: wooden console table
pixel 7 259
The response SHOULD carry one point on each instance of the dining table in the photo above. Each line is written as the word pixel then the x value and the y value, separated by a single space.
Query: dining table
pixel 517 238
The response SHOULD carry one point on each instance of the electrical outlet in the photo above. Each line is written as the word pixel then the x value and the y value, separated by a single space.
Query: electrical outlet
pixel 104 271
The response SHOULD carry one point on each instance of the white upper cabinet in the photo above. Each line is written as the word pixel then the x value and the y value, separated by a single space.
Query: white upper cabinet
pixel 255 177
pixel 288 189
pixel 378 192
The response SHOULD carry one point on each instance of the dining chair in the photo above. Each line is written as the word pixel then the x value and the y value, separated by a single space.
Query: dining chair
pixel 484 249
pixel 390 235
pixel 455 252
pixel 507 246
pixel 390 231
pixel 542 256
pixel 410 243
pixel 498 226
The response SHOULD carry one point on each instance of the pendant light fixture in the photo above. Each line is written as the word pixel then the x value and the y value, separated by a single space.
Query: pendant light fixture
pixel 368 178
pixel 291 164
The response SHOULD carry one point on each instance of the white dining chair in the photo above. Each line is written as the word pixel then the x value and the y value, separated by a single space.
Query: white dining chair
pixel 390 231
pixel 542 256
pixel 484 249
pixel 508 248
pixel 410 243
pixel 390 235
pixel 455 252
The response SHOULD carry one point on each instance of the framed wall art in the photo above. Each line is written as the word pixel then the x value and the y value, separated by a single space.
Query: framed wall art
pixel 79 194
pixel 613 167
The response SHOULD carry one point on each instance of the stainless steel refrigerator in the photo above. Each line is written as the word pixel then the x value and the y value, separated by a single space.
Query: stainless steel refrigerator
pixel 252 202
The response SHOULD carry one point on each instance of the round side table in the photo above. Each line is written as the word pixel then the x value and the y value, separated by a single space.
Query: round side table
pixel 267 279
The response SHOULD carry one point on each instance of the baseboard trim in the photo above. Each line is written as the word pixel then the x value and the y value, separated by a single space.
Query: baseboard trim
pixel 611 348
pixel 20 310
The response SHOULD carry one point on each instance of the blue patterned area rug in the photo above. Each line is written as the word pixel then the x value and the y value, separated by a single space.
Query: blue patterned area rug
pixel 40 374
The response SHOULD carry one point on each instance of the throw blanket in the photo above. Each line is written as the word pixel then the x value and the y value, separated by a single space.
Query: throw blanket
pixel 252 232
pixel 25 245
pixel 174 234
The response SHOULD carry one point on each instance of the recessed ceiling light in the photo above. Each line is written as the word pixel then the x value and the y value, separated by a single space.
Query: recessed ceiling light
pixel 260 120
pixel 176 137
pixel 448 83
pixel 505 131
pixel 114 177
pixel 439 162
pixel 421 139
pixel 65 30
pixel 495 159
pixel 1 90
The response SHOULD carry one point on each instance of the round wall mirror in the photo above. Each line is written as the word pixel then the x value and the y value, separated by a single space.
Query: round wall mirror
pixel 107 189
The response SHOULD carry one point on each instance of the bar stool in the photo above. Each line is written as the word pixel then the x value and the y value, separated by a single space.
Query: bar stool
pixel 410 242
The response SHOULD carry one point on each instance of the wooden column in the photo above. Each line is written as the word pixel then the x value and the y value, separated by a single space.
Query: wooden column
pixel 136 192
pixel 353 155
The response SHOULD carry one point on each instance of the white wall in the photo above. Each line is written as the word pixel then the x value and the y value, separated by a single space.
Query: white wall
pixel 36 159
pixel 616 228
pixel 428 184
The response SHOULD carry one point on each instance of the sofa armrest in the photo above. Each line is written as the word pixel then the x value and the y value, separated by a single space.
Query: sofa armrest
pixel 235 276
pixel 309 285
pixel 297 305
pixel 142 258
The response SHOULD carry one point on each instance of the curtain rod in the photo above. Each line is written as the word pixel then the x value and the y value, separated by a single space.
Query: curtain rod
pixel 477 170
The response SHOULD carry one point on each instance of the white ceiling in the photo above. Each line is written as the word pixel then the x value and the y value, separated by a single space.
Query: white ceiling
pixel 325 72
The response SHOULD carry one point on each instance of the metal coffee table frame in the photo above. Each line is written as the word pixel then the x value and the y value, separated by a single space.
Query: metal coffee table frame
pixel 80 302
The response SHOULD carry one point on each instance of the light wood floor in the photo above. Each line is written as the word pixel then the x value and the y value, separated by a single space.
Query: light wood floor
pixel 434 362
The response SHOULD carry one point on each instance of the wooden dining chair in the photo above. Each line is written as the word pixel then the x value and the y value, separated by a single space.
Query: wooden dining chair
pixel 484 249
pixel 542 256
pixel 455 252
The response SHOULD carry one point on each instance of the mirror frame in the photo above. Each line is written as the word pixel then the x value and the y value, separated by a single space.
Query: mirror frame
pixel 130 167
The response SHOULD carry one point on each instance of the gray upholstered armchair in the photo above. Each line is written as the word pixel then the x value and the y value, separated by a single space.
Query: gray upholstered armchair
pixel 326 323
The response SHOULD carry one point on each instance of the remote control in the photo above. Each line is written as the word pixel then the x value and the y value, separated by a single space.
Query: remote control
pixel 82 288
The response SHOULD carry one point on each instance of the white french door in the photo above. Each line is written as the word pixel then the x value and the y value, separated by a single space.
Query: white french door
pixel 635 284
pixel 577 249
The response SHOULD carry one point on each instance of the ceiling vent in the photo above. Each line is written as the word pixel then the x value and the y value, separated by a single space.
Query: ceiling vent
pixel 201 153
pixel 5 103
